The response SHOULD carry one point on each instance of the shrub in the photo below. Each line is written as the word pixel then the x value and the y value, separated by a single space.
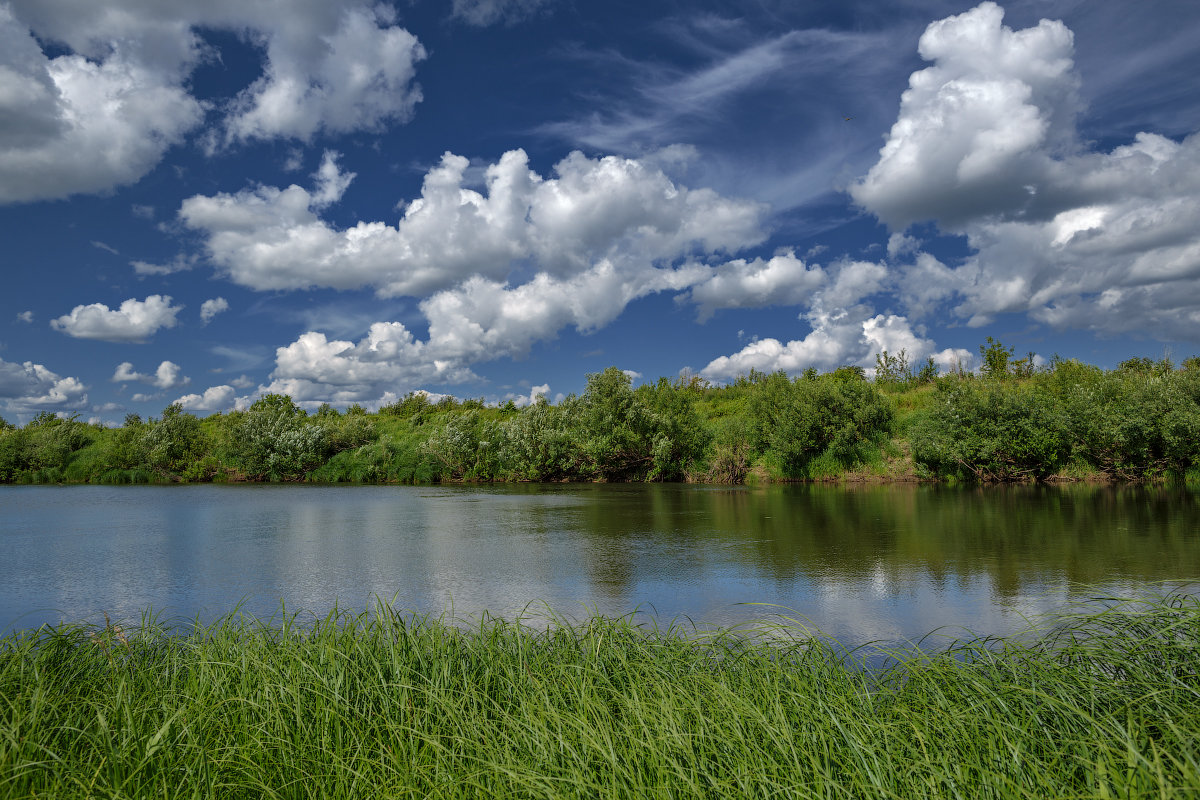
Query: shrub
pixel 467 447
pixel 274 439
pixel 992 430
pixel 170 445
pixel 537 442
pixel 793 422
pixel 1138 422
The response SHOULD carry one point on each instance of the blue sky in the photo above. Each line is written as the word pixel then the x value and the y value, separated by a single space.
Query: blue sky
pixel 347 201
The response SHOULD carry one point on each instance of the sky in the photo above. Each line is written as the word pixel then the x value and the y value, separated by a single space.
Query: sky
pixel 348 201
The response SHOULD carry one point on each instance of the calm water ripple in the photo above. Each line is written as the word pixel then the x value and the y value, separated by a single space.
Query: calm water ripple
pixel 887 563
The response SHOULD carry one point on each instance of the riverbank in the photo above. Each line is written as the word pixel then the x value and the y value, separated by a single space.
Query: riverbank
pixel 1105 704
pixel 1066 421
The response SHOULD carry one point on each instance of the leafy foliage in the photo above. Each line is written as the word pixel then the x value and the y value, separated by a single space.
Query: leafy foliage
pixel 992 430
pixel 174 443
pixel 796 421
pixel 1011 422
pixel 274 439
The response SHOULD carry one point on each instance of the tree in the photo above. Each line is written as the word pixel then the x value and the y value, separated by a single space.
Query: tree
pixel 125 447
pixel 893 368
pixel 175 442
pixel 611 427
pixel 995 358
pixel 52 439
pixel 677 435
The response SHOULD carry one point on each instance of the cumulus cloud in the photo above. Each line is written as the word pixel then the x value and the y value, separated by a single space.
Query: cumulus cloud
pixel 317 369
pixel 844 329
pixel 355 77
pixel 210 308
pixel 70 124
pixel 499 269
pixel 25 316
pixel 133 321
pixel 782 280
pixel 214 398
pixel 845 336
pixel 523 400
pixel 103 113
pixel 481 320
pixel 28 388
pixel 169 375
pixel 986 145
pixel 980 126
pixel 610 208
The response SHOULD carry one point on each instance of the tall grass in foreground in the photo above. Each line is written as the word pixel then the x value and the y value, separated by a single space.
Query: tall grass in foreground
pixel 1106 704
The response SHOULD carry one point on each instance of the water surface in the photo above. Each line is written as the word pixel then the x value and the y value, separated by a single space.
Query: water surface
pixel 879 563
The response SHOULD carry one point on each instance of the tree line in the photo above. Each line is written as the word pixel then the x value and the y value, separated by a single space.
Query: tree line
pixel 1012 421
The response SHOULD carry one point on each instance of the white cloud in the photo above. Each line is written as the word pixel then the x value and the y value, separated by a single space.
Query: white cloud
pixel 167 376
pixel 103 113
pixel 900 244
pixel 356 77
pixel 28 388
pixel 986 145
pixel 210 308
pixel 782 280
pixel 614 209
pixel 317 369
pixel 180 263
pixel 25 316
pixel 214 398
pixel 852 282
pixel 846 336
pixel 521 400
pixel 506 268
pixel 71 124
pixel 134 321
pixel 479 321
pixel 979 126
pixel 927 282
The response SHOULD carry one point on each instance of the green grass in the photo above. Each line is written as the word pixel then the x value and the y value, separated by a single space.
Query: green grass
pixel 1106 704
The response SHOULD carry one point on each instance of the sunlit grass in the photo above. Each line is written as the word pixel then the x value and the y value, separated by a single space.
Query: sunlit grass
pixel 1105 704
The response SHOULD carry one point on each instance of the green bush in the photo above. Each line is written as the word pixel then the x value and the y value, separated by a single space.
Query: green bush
pixel 991 430
pixel 467 447
pixel 538 444
pixel 172 444
pixel 1138 422
pixel 275 440
pixel 839 414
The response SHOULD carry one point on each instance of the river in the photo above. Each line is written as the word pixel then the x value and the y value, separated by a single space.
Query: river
pixel 871 563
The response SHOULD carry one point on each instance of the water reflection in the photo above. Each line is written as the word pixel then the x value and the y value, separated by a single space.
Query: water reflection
pixel 865 563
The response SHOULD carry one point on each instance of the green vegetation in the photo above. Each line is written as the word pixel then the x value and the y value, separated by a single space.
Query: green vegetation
pixel 1014 421
pixel 1104 704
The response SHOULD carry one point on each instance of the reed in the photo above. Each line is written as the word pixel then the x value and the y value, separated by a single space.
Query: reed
pixel 1104 703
